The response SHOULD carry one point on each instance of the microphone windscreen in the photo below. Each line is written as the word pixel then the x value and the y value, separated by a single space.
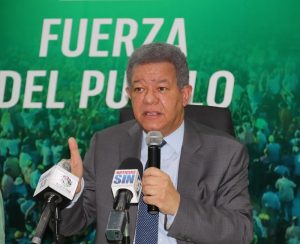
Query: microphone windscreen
pixel 154 138
pixel 132 163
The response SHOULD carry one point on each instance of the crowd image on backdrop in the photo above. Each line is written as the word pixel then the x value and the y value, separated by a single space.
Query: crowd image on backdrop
pixel 266 114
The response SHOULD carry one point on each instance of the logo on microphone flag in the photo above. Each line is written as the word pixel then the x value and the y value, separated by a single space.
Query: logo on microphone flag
pixel 66 181
pixel 127 179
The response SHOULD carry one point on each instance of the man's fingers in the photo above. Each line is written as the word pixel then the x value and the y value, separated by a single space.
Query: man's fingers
pixel 154 176
pixel 152 171
pixel 75 155
pixel 76 162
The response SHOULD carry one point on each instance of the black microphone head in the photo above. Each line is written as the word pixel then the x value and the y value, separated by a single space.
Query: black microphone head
pixel 132 163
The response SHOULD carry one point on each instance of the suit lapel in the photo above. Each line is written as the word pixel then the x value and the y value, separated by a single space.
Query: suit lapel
pixel 130 146
pixel 189 157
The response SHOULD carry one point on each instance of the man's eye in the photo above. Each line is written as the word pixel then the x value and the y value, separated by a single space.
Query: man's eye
pixel 162 89
pixel 138 89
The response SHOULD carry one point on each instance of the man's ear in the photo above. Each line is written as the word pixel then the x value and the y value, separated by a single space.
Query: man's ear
pixel 186 94
pixel 128 91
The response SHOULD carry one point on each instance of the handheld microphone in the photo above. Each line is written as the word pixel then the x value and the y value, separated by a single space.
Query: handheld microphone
pixel 56 187
pixel 126 187
pixel 154 140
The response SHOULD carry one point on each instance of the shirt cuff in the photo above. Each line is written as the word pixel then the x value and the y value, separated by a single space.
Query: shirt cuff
pixel 168 221
pixel 77 195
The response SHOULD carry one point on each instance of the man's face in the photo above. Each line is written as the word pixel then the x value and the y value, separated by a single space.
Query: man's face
pixel 157 100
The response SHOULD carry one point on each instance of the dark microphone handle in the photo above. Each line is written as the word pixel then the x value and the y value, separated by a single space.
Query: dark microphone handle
pixel 153 156
pixel 45 217
pixel 153 161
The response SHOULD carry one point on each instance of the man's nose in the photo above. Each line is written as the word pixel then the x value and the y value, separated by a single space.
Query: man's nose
pixel 151 97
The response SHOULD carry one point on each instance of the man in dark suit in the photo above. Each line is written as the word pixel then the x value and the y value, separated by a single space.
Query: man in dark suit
pixel 201 189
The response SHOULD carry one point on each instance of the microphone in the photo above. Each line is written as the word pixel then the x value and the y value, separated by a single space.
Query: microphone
pixel 154 140
pixel 126 187
pixel 56 187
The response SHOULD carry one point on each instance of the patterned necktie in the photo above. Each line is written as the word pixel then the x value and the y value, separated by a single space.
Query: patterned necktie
pixel 147 224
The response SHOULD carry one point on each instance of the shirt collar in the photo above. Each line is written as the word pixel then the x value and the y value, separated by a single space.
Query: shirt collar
pixel 174 140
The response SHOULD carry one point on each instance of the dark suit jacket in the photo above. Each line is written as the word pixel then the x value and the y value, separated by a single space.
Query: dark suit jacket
pixel 212 182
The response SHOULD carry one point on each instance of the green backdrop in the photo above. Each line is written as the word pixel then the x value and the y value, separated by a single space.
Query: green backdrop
pixel 62 66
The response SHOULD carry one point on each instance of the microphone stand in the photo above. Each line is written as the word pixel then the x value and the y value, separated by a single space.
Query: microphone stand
pixel 126 236
pixel 51 205
pixel 57 219
pixel 117 229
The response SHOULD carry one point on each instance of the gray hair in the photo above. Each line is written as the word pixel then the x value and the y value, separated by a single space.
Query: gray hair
pixel 160 52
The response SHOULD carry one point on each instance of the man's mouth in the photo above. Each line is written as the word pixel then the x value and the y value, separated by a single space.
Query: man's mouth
pixel 151 114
